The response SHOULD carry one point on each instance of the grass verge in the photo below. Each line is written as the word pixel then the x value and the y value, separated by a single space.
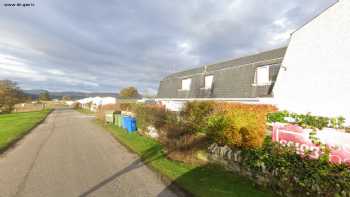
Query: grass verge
pixel 15 125
pixel 206 181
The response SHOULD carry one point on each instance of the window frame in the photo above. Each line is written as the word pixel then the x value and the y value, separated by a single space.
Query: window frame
pixel 189 84
pixel 256 76
pixel 206 87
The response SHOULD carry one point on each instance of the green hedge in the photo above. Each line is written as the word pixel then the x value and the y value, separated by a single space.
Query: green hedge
pixel 297 175
pixel 307 120
pixel 220 121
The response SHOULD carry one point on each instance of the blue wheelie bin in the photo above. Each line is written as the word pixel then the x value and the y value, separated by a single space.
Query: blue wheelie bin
pixel 129 123
pixel 133 126
pixel 124 122
pixel 128 126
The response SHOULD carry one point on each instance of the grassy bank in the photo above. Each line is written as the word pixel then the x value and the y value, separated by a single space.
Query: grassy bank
pixel 203 181
pixel 16 125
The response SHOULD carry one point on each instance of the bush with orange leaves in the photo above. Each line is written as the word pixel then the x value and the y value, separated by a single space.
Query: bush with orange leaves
pixel 239 125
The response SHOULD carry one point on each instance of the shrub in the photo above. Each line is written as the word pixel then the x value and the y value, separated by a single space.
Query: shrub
pixel 307 120
pixel 281 169
pixel 184 133
pixel 216 126
pixel 127 106
pixel 278 116
pixel 195 115
pixel 296 174
pixel 244 130
pixel 243 125
pixel 174 134
pixel 148 115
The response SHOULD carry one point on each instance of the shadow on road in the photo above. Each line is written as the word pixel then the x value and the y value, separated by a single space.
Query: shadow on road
pixel 150 155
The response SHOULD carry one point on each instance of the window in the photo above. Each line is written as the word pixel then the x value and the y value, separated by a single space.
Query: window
pixel 186 84
pixel 208 82
pixel 262 75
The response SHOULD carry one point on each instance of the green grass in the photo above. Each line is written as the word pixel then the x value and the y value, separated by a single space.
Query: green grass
pixel 15 125
pixel 208 180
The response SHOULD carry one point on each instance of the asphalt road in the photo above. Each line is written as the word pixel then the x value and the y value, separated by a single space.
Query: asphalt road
pixel 68 155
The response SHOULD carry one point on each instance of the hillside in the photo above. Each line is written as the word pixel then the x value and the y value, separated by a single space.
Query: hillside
pixel 74 95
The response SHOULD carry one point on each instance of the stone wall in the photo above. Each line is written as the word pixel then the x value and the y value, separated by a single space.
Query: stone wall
pixel 286 180
pixel 232 160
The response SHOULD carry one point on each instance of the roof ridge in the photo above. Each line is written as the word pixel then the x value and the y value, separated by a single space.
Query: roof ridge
pixel 224 62
pixel 248 55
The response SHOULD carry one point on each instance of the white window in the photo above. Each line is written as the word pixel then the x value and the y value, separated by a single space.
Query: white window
pixel 186 84
pixel 208 82
pixel 262 75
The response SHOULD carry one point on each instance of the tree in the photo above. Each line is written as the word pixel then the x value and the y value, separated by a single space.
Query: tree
pixel 129 92
pixel 66 98
pixel 44 96
pixel 10 94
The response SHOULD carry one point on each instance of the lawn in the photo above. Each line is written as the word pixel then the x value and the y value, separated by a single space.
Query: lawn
pixel 15 125
pixel 208 180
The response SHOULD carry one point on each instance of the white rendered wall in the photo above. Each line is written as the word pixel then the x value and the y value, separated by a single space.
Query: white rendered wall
pixel 317 62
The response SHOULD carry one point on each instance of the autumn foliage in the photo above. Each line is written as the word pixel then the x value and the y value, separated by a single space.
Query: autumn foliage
pixel 10 94
pixel 239 125
pixel 129 93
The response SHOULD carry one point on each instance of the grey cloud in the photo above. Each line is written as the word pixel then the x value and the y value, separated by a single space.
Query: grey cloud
pixel 107 45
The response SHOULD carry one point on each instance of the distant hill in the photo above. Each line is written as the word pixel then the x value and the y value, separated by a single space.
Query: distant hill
pixel 74 95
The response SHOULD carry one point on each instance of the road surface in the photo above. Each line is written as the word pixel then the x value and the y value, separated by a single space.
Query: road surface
pixel 68 155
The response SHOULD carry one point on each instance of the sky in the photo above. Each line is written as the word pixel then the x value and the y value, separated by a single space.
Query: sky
pixel 103 46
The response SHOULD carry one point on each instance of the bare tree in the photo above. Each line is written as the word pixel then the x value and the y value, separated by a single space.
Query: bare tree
pixel 10 94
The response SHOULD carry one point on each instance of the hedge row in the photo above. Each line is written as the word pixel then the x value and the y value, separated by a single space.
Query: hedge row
pixel 285 172
pixel 307 120
pixel 233 124
pixel 241 128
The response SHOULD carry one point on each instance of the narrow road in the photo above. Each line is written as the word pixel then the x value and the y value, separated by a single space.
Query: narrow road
pixel 68 155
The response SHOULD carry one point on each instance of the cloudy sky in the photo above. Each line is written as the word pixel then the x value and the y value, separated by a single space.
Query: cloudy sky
pixel 106 45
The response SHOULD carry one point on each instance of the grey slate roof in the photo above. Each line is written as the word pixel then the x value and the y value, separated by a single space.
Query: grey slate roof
pixel 232 79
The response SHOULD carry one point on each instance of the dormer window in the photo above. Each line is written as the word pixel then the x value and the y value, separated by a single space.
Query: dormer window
pixel 262 76
pixel 186 84
pixel 208 82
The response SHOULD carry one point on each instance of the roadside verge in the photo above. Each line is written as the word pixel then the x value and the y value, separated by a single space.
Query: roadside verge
pixel 13 127
pixel 185 179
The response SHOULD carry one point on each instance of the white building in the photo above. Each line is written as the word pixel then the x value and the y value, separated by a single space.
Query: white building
pixel 311 75
pixel 315 72
pixel 92 103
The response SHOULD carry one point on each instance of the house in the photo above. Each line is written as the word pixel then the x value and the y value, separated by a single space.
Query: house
pixel 93 103
pixel 246 79
pixel 316 77
pixel 312 75
pixel 85 103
